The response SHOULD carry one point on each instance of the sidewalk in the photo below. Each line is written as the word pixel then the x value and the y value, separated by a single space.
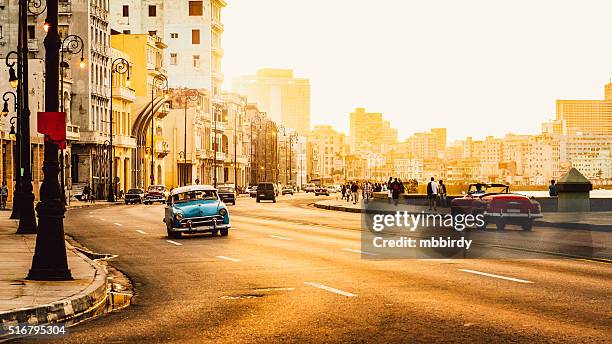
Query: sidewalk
pixel 600 220
pixel 38 302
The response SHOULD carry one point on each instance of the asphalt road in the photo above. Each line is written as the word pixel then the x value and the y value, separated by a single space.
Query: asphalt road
pixel 289 272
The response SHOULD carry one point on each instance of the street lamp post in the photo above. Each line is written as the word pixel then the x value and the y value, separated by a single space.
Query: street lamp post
pixel 119 66
pixel 14 82
pixel 73 45
pixel 292 136
pixel 13 134
pixel 160 82
pixel 49 261
pixel 190 95
pixel 216 108
pixel 255 160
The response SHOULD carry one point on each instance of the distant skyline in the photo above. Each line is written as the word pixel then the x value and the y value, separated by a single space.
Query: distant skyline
pixel 476 67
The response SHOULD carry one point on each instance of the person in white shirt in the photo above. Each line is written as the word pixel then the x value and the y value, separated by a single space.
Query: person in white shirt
pixel 432 194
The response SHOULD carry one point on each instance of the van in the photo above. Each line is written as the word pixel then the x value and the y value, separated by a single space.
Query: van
pixel 266 191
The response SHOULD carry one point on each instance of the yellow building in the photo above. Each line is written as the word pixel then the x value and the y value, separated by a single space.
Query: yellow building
pixel 284 98
pixel 124 144
pixel 585 116
pixel 369 133
pixel 146 53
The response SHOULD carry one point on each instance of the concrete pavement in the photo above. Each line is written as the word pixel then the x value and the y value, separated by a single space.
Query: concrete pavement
pixel 289 272
pixel 39 302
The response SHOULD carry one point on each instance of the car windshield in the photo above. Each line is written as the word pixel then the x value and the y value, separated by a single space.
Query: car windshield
pixel 156 188
pixel 481 188
pixel 134 191
pixel 265 187
pixel 226 189
pixel 195 196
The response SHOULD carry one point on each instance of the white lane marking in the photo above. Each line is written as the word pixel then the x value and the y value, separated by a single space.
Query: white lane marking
pixel 141 232
pixel 495 276
pixel 333 290
pixel 280 237
pixel 117 224
pixel 360 252
pixel 228 258
pixel 102 219
pixel 174 243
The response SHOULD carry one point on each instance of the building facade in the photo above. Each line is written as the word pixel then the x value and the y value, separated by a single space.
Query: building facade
pixel 277 92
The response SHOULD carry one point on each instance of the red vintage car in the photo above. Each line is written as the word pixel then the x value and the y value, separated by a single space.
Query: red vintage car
pixel 497 205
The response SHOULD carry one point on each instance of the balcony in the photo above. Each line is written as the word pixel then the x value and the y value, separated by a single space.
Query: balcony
pixel 32 44
pixel 73 132
pixel 162 147
pixel 163 111
pixel 221 156
pixel 217 25
pixel 100 49
pixel 217 51
pixel 219 126
pixel 64 7
pixel 128 94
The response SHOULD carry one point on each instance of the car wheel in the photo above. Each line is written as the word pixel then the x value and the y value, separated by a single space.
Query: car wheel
pixel 214 232
pixel 258 200
pixel 224 232
pixel 500 225
pixel 273 200
pixel 146 203
pixel 527 225
pixel 171 234
pixel 234 203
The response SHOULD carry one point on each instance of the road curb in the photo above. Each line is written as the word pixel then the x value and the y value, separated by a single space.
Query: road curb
pixel 89 301
pixel 561 225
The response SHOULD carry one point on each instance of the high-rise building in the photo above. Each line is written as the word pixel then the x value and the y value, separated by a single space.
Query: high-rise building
pixel 191 29
pixel 277 92
pixel 585 116
pixel 369 133
pixel 327 150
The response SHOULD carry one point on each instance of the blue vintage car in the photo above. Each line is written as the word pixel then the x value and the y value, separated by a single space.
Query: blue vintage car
pixel 196 209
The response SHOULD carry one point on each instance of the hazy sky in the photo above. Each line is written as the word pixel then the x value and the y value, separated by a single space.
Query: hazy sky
pixel 477 67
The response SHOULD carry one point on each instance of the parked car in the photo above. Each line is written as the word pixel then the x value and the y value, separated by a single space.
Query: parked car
pixel 266 191
pixel 252 191
pixel 287 190
pixel 321 190
pixel 310 187
pixel 196 209
pixel 156 193
pixel 134 196
pixel 333 188
pixel 227 194
pixel 497 205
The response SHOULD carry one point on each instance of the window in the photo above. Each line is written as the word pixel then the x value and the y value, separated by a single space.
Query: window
pixel 196 61
pixel 174 35
pixel 195 8
pixel 126 10
pixel 195 36
pixel 152 11
pixel 153 33
pixel 127 32
pixel 31 31
pixel 1 32
pixel 173 59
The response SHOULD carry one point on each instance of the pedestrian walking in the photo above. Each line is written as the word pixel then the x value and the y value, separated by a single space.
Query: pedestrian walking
pixel 3 194
pixel 443 199
pixel 395 191
pixel 552 189
pixel 367 189
pixel 355 192
pixel 432 194
pixel 86 193
pixel 343 191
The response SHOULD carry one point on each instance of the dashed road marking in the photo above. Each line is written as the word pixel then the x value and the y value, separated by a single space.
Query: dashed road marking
pixel 102 219
pixel 495 276
pixel 117 224
pixel 360 252
pixel 280 237
pixel 330 289
pixel 228 258
pixel 141 232
pixel 174 243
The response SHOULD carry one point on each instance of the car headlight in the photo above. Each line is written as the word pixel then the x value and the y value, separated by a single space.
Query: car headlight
pixel 223 212
pixel 179 216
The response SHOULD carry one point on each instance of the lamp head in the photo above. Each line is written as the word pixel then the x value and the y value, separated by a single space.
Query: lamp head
pixel 5 109
pixel 12 132
pixel 82 63
pixel 46 26
pixel 13 78
pixel 127 82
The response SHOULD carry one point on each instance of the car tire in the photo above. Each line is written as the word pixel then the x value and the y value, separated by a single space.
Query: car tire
pixel 527 225
pixel 234 203
pixel 500 225
pixel 274 200
pixel 214 232
pixel 146 203
pixel 258 200
pixel 172 235
pixel 224 232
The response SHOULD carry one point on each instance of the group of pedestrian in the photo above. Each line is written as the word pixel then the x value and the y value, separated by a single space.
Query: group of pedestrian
pixel 88 195
pixel 435 191
pixel 350 192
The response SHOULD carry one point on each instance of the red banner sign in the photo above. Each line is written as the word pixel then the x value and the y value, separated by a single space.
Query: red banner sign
pixel 53 126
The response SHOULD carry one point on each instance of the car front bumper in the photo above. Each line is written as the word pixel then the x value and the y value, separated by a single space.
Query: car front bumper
pixel 514 216
pixel 202 228
pixel 154 199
